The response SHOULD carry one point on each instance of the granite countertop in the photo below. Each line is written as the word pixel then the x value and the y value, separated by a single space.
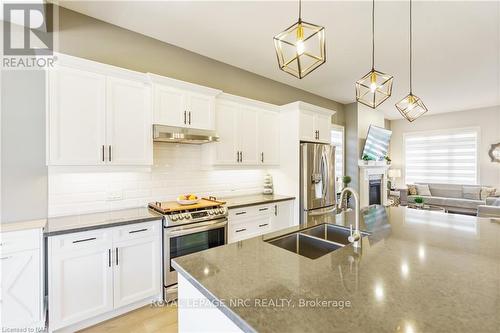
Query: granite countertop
pixel 84 222
pixel 419 271
pixel 254 199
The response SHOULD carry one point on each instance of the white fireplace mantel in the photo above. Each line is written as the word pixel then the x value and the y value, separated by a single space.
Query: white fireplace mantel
pixel 367 169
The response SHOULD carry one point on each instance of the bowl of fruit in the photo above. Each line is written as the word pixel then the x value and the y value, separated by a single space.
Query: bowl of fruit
pixel 187 199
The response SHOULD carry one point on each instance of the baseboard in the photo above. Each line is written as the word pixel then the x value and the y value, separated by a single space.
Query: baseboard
pixel 106 316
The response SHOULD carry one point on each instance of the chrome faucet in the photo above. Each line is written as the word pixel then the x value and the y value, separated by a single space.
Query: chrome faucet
pixel 355 237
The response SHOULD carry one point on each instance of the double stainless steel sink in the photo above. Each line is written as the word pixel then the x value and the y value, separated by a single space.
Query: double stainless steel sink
pixel 314 242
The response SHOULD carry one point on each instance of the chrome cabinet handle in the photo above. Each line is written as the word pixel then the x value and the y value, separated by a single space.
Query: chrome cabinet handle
pixel 189 117
pixel 275 210
pixel 103 153
pixel 116 251
pixel 185 116
pixel 241 156
pixel 263 209
pixel 5 258
pixel 109 151
pixel 262 157
pixel 237 157
pixel 240 213
pixel 109 257
pixel 240 230
pixel 84 240
pixel 135 231
pixel 263 225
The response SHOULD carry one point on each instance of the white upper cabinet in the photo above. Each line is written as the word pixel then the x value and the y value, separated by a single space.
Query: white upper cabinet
pixel 169 106
pixel 307 129
pixel 226 150
pixel 98 114
pixel 129 126
pixel 323 124
pixel 268 132
pixel 200 111
pixel 249 134
pixel 314 123
pixel 182 104
pixel 76 117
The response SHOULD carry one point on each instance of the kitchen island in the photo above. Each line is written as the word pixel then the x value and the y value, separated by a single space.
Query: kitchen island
pixel 418 271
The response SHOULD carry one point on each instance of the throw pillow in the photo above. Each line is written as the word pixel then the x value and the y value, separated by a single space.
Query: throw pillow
pixel 472 192
pixel 487 192
pixel 412 189
pixel 423 190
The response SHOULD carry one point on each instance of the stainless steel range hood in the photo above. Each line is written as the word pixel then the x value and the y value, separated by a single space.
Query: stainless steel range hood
pixel 172 134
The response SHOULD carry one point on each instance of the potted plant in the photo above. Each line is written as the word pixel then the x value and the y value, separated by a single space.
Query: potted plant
pixel 366 158
pixel 346 180
pixel 419 202
pixel 387 159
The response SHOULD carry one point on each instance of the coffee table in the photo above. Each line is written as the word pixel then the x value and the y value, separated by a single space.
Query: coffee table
pixel 427 207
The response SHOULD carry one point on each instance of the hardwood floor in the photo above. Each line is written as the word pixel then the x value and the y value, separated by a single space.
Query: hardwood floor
pixel 146 319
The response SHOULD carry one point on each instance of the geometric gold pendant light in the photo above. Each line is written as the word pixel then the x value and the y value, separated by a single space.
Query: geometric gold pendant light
pixel 411 107
pixel 375 87
pixel 301 47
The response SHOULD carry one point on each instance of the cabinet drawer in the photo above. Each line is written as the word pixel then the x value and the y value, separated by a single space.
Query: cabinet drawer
pixel 15 241
pixel 251 211
pixel 81 240
pixel 138 230
pixel 249 227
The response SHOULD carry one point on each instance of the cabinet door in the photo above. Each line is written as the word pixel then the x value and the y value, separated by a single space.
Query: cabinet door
pixel 76 117
pixel 21 289
pixel 136 270
pixel 247 132
pixel 227 147
pixel 80 283
pixel 169 106
pixel 323 124
pixel 268 138
pixel 307 129
pixel 283 215
pixel 128 124
pixel 200 111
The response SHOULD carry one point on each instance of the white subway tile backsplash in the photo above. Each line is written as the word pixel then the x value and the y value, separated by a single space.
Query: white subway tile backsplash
pixel 177 169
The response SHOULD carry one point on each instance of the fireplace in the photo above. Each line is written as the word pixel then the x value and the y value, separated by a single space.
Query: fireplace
pixel 372 183
pixel 374 191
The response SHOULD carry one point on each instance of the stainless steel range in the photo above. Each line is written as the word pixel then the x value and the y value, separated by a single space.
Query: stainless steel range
pixel 187 230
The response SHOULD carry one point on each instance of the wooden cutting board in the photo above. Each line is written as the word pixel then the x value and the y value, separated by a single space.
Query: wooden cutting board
pixel 173 206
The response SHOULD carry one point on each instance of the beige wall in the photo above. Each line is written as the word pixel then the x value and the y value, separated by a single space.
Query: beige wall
pixel 86 37
pixel 487 119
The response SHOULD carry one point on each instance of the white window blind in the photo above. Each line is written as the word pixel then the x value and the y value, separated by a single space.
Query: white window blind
pixel 448 156
pixel 338 141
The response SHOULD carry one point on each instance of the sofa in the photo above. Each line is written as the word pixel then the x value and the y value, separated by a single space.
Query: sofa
pixel 453 198
pixel 491 209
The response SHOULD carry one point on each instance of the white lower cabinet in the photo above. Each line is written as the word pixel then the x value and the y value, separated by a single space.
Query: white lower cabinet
pixel 21 280
pixel 257 220
pixel 95 272
pixel 137 273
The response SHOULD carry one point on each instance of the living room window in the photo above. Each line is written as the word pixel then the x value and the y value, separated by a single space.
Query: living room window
pixel 445 156
pixel 337 140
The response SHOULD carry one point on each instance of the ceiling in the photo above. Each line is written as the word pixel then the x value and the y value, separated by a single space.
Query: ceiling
pixel 456 44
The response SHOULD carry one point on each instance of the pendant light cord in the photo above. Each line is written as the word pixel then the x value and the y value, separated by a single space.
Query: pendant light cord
pixel 411 47
pixel 300 10
pixel 373 35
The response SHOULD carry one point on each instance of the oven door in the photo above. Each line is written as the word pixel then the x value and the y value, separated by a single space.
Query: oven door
pixel 181 240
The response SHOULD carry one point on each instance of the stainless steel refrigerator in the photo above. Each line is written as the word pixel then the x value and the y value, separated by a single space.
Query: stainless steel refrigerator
pixel 317 179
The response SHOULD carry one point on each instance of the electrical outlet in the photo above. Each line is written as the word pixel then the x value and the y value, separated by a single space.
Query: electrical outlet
pixel 114 196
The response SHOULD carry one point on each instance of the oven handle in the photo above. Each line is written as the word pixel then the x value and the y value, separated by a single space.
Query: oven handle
pixel 185 230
